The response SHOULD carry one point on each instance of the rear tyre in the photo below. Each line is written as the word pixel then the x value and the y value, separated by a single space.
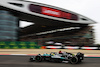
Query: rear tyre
pixel 80 57
pixel 73 60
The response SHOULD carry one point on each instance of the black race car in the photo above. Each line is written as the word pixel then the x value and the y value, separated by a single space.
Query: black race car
pixel 59 57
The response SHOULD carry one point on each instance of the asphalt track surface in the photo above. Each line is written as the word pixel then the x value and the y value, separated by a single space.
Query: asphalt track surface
pixel 23 61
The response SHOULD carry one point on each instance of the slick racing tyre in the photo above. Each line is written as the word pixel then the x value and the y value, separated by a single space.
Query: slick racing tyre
pixel 73 60
pixel 80 56
pixel 38 58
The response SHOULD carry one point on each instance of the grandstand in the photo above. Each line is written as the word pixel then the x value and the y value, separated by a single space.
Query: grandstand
pixel 80 36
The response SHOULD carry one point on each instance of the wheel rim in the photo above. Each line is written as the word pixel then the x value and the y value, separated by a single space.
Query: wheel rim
pixel 74 60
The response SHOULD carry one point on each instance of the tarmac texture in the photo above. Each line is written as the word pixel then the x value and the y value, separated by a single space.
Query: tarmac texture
pixel 23 61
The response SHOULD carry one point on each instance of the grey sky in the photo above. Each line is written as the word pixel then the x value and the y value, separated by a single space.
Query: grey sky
pixel 88 8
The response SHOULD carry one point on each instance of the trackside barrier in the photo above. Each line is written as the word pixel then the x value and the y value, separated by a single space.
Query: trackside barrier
pixel 72 47
pixel 34 45
pixel 91 48
pixel 19 45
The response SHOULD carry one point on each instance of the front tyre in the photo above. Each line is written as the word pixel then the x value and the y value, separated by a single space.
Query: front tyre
pixel 38 58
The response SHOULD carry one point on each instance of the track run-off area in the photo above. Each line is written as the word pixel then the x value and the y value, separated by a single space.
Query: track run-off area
pixel 42 51
pixel 20 58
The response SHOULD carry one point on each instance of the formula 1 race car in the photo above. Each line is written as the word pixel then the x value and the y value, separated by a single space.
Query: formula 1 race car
pixel 59 57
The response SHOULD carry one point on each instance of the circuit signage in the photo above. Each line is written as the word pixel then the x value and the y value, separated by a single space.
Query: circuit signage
pixel 52 12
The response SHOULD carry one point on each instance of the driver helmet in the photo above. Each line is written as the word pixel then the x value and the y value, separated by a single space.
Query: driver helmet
pixel 60 52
